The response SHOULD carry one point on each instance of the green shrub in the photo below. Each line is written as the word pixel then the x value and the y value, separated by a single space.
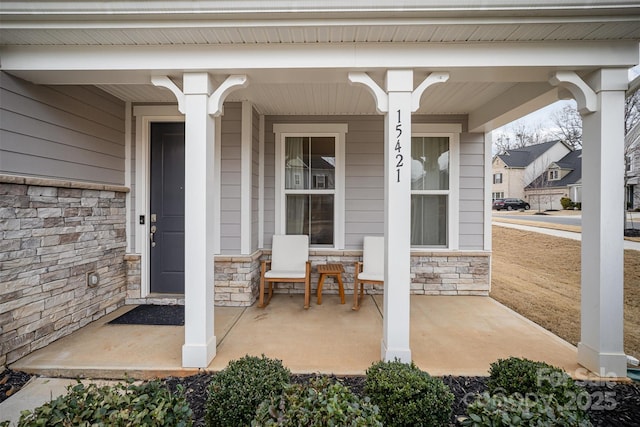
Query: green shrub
pixel 235 393
pixel 408 396
pixel 148 404
pixel 566 203
pixel 317 404
pixel 527 377
pixel 517 410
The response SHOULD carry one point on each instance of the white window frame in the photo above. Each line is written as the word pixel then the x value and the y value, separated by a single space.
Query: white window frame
pixel 452 131
pixel 335 130
pixel 495 175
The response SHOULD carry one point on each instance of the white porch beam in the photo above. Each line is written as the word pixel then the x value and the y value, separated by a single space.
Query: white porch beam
pixel 123 64
pixel 602 305
pixel 518 101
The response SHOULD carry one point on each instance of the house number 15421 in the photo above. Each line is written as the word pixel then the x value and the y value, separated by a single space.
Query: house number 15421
pixel 398 148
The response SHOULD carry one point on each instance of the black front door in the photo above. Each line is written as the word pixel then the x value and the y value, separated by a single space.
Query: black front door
pixel 167 208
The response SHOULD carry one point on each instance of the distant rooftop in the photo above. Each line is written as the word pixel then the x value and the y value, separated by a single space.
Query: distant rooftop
pixel 523 157
pixel 572 162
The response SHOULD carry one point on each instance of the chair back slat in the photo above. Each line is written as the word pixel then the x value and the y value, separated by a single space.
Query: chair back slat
pixel 373 255
pixel 289 252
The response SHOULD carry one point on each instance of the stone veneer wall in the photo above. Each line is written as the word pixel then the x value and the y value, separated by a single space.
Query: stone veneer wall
pixel 238 277
pixel 54 233
pixel 432 273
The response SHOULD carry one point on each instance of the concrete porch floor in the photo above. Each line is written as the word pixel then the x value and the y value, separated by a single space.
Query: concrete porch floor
pixel 458 335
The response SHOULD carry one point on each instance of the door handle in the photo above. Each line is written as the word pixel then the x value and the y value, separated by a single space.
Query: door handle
pixel 152 234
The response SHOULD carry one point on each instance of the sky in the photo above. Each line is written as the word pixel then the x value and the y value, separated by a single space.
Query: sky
pixel 542 117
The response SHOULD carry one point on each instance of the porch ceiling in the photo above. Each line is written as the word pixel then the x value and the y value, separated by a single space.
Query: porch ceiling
pixel 329 98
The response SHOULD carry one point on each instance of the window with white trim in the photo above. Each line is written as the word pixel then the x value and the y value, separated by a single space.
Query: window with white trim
pixel 434 189
pixel 497 178
pixel 310 182
pixel 554 175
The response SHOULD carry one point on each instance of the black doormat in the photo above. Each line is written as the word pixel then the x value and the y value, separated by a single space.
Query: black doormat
pixel 168 315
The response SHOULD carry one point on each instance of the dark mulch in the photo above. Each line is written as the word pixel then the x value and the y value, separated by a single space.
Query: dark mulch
pixel 165 315
pixel 11 382
pixel 611 404
pixel 621 409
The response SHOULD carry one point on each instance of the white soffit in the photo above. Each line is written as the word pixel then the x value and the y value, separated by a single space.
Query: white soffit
pixel 203 34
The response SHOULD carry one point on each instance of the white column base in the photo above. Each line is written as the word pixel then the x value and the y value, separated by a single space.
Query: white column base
pixel 391 354
pixel 198 356
pixel 609 365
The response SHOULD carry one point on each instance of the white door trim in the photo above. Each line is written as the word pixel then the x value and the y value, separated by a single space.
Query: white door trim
pixel 145 115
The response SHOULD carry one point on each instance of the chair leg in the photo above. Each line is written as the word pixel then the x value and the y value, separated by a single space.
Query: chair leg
pixel 270 293
pixel 307 293
pixel 356 297
pixel 261 303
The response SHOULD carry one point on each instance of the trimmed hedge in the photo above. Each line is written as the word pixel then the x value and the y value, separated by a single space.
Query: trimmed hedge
pixel 408 396
pixel 235 393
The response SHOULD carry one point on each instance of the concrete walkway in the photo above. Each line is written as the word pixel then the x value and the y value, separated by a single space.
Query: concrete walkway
pixel 628 244
pixel 457 335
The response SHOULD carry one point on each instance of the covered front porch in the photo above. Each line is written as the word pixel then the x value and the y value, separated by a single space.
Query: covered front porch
pixel 450 335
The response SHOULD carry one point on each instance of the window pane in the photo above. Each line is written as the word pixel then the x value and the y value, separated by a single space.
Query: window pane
pixel 321 219
pixel 430 163
pixel 296 163
pixel 297 214
pixel 317 223
pixel 428 220
pixel 323 163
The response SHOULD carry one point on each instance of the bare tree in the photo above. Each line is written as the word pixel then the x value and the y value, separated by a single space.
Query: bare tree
pixel 631 146
pixel 517 135
pixel 631 111
pixel 568 126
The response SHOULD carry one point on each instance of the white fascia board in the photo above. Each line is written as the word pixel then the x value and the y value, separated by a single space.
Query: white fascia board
pixel 287 8
pixel 158 60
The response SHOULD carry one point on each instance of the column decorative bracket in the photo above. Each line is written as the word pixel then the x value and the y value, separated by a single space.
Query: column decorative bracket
pixel 585 97
pixel 380 96
pixel 166 82
pixel 433 78
pixel 216 100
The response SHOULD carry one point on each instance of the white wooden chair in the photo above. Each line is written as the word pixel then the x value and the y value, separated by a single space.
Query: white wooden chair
pixel 289 263
pixel 371 269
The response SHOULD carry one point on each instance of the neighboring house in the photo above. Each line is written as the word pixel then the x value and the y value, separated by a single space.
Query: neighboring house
pixel 632 167
pixel 515 169
pixel 563 178
pixel 161 145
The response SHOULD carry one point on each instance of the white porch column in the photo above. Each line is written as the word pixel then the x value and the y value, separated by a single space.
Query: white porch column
pixel 601 345
pixel 397 103
pixel 199 340
pixel 202 166
pixel 397 216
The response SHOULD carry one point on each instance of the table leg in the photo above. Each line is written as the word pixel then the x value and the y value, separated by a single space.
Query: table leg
pixel 320 284
pixel 341 287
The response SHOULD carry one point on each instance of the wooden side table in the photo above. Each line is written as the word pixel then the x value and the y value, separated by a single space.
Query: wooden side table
pixel 330 270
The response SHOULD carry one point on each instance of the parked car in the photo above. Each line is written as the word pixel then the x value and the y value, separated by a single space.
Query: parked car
pixel 510 204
